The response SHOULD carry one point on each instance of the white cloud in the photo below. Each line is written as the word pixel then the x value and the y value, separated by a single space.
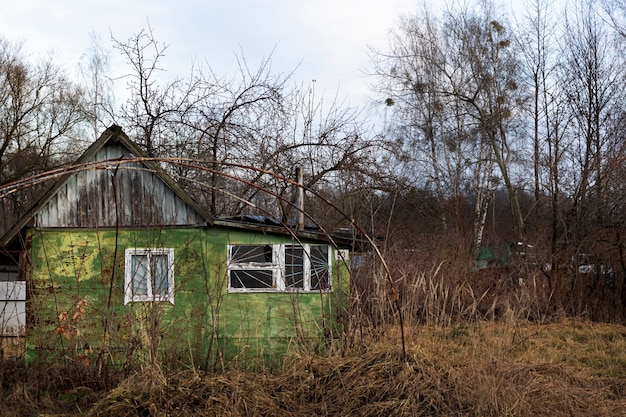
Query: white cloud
pixel 327 38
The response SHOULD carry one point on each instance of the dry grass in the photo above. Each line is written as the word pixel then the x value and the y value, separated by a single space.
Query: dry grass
pixel 470 351
pixel 570 368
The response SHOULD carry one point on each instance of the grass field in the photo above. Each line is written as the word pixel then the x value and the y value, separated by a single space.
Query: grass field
pixel 565 368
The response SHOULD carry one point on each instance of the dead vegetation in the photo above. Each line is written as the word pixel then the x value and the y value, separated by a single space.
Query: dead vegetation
pixel 569 368
pixel 476 345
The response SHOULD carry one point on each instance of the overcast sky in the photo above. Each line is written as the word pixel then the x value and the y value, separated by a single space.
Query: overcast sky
pixel 327 40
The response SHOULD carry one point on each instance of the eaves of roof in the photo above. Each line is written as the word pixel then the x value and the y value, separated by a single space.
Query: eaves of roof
pixel 115 134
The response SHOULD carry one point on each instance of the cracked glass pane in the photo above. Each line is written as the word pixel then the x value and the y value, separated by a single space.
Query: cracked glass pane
pixel 250 278
pixel 294 267
pixel 319 268
pixel 139 271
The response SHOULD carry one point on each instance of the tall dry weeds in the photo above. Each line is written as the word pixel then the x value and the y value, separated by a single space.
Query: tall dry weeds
pixel 435 292
pixel 570 368
pixel 471 371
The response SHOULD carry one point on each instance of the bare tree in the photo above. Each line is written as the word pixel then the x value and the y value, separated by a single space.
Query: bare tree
pixel 235 121
pixel 39 107
pixel 455 92
pixel 615 13
pixel 40 110
pixel 411 80
pixel 489 88
pixel 428 125
pixel 249 119
pixel 95 69
pixel 155 104
pixel 332 145
pixel 592 75
pixel 538 43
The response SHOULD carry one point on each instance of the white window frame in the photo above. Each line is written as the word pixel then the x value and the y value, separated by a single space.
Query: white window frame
pixel 129 297
pixel 278 267
pixel 273 266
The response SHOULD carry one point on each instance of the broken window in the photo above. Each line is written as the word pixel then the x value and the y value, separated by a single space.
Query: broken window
pixel 279 267
pixel 320 268
pixel 294 267
pixel 253 267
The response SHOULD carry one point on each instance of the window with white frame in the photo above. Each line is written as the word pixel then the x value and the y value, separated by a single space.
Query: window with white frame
pixel 279 267
pixel 253 267
pixel 149 275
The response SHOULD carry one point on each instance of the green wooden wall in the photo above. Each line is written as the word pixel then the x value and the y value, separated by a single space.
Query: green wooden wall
pixel 76 303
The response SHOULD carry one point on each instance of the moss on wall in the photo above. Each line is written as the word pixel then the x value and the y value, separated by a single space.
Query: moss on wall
pixel 76 305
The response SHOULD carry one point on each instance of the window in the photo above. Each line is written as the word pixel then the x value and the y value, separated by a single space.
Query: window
pixel 253 267
pixel 320 268
pixel 149 275
pixel 294 267
pixel 279 267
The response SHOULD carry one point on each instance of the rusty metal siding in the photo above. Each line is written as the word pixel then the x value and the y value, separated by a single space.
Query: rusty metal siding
pixel 87 199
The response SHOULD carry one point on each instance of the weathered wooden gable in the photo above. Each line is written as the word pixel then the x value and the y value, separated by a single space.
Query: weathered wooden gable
pixel 128 194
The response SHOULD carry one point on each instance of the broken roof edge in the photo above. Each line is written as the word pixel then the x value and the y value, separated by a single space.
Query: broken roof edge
pixel 337 240
pixel 116 134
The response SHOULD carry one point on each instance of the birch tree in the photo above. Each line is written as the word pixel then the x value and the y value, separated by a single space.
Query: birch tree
pixel 455 89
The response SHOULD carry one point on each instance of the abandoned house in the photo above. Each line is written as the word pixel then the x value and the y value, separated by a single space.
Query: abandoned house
pixel 116 264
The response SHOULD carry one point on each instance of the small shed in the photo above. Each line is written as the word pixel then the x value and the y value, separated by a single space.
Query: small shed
pixel 116 264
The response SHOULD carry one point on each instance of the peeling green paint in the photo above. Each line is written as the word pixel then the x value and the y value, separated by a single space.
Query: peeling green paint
pixel 76 306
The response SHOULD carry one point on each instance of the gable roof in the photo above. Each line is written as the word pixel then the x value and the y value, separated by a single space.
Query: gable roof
pixel 112 135
pixel 114 146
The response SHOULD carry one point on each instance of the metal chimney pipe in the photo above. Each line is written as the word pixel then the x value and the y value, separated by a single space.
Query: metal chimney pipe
pixel 300 198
